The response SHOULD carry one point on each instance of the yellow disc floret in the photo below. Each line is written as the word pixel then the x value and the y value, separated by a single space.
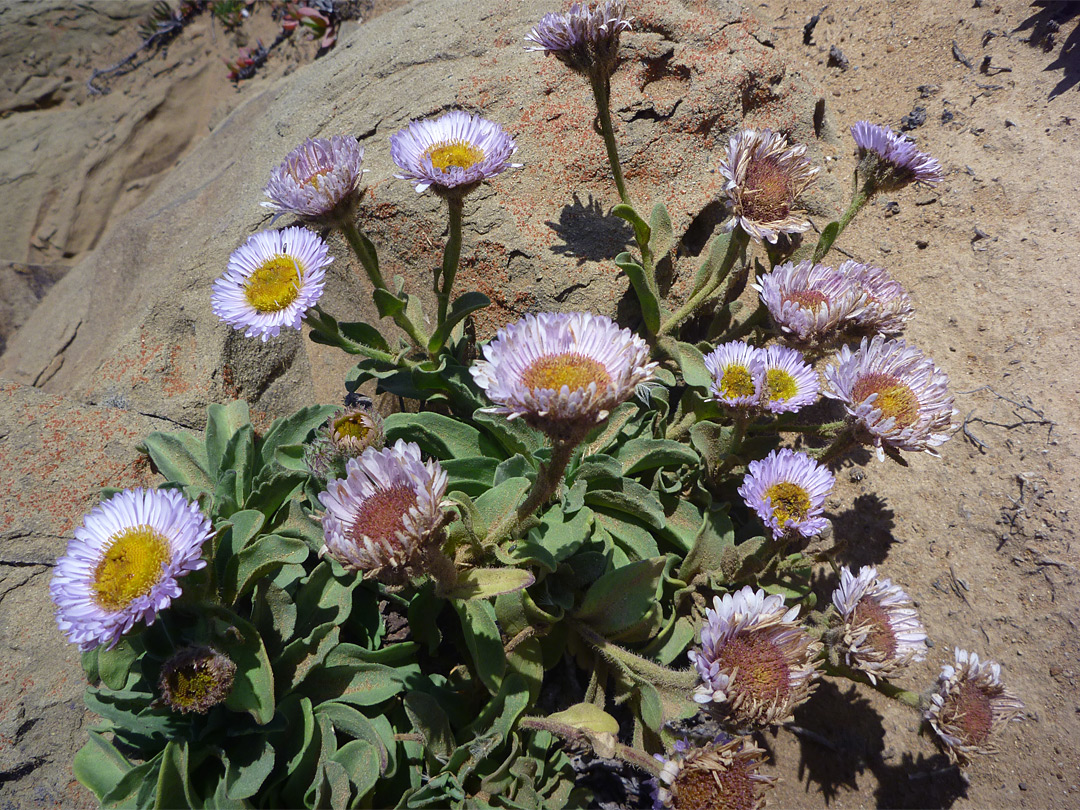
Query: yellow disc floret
pixel 575 371
pixel 130 567
pixel 780 385
pixel 736 382
pixel 789 502
pixel 458 154
pixel 896 400
pixel 275 285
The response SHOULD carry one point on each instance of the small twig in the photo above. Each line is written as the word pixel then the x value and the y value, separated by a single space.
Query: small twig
pixel 813 736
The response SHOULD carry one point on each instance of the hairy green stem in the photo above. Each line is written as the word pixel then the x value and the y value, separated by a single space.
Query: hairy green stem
pixel 603 748
pixel 843 442
pixel 547 483
pixel 451 258
pixel 858 200
pixel 914 700
pixel 682 427
pixel 737 245
pixel 317 318
pixel 634 666
pixel 602 94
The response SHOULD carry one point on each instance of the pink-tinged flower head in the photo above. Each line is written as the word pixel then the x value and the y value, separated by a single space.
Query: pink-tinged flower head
pixel 895 394
pixel 788 383
pixel 318 179
pixel 764 177
pixel 889 161
pixel 124 564
pixel 584 38
pixel 756 662
pixel 724 774
pixel 971 707
pixel 809 301
pixel 887 307
pixel 451 154
pixel 881 629
pixel 787 490
pixel 737 374
pixel 271 281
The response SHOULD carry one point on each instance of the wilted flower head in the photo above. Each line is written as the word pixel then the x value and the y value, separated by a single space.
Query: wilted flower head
pixel 346 434
pixel 562 372
pixel 764 177
pixel 809 301
pixel 787 490
pixel 788 383
pixel 737 374
pixel 196 679
pixel 585 38
pixel 271 281
pixel 888 161
pixel 881 629
pixel 896 395
pixel 318 179
pixel 381 517
pixel 124 564
pixel 971 707
pixel 452 153
pixel 887 307
pixel 756 663
pixel 721 775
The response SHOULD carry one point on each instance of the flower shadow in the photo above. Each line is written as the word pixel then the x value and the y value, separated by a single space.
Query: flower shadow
pixel 589 233
pixel 864 532
pixel 1044 24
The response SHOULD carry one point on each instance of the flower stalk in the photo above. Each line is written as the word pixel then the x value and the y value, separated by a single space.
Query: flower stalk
pixel 736 248
pixel 451 256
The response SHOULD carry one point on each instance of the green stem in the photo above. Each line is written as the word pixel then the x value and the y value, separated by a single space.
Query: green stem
pixel 320 321
pixel 451 258
pixel 737 245
pixel 843 442
pixel 858 200
pixel 827 428
pixel 547 484
pixel 634 666
pixel 914 700
pixel 682 427
pixel 601 93
pixel 602 748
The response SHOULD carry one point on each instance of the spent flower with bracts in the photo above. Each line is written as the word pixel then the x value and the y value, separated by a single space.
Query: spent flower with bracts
pixel 196 679
pixel 887 307
pixel 888 161
pixel 453 153
pixel 562 372
pixel 319 179
pixel 787 490
pixel 124 564
pixel 724 774
pixel 345 434
pixel 271 282
pixel 896 396
pixel 756 663
pixel 765 175
pixel 585 38
pixel 789 383
pixel 971 707
pixel 387 513
pixel 881 631
pixel 737 374
pixel 809 301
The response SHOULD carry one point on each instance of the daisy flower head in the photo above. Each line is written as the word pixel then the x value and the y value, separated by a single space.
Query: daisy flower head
pixel 887 307
pixel 451 154
pixel 318 180
pixel 562 372
pixel 882 631
pixel 809 301
pixel 971 707
pixel 585 38
pixel 789 383
pixel 896 395
pixel 271 281
pixel 888 161
pixel 787 490
pixel 196 679
pixel 724 774
pixel 382 516
pixel 124 564
pixel 765 175
pixel 756 663
pixel 737 374
pixel 345 434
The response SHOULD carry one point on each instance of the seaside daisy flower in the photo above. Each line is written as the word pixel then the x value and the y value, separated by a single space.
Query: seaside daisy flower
pixel 809 301
pixel 737 374
pixel 756 663
pixel 971 707
pixel 585 38
pixel 382 516
pixel 888 161
pixel 451 154
pixel 787 491
pixel 318 179
pixel 887 307
pixel 764 177
pixel 788 382
pixel 562 372
pixel 124 563
pixel 721 775
pixel 895 394
pixel 196 679
pixel 345 434
pixel 271 281
pixel 882 631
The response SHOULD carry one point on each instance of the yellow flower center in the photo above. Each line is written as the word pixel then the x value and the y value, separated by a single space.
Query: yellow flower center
pixel 780 385
pixel 445 155
pixel 767 190
pixel 575 371
pixel 382 515
pixel 130 567
pixel 353 426
pixel 191 686
pixel 789 502
pixel 275 285
pixel 736 381
pixel 895 399
pixel 703 788
pixel 764 675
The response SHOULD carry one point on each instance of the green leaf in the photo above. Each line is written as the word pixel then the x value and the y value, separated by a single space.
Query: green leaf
pixel 662 238
pixel 136 788
pixel 462 307
pixel 598 465
pixel 99 766
pixel 497 503
pixel 302 525
pixel 692 363
pixel 430 722
pixel 302 655
pixel 440 436
pixel 715 537
pixel 683 522
pixel 513 434
pixel 293 430
pixel 256 561
pixel 181 458
pixel 222 423
pixel 273 612
pixel 587 717
pixel 623 598
pixel 364 334
pixel 253 686
pixel 173 779
pixel 650 307
pixel 642 231
pixel 291 457
pixel 646 453
pixel 607 434
pixel 359 760
pixel 247 765
pixel 351 721
pixel 387 303
pixel 712 442
pixel 483 640
pixel 634 537
pixel 714 259
pixel 825 241
pixel 114 664
pixel 234 535
pixel 473 476
pixel 515 467
pixel 357 683
pixel 482 583
pixel 563 537
pixel 624 495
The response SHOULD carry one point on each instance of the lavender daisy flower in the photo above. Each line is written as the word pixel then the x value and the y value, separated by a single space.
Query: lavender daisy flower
pixel 737 374
pixel 882 631
pixel 895 394
pixel 124 564
pixel 809 301
pixel 584 38
pixel 271 281
pixel 789 383
pixel 453 152
pixel 756 663
pixel 971 707
pixel 722 775
pixel 381 517
pixel 196 679
pixel 562 372
pixel 888 161
pixel 765 176
pixel 318 179
pixel 887 307
pixel 787 490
